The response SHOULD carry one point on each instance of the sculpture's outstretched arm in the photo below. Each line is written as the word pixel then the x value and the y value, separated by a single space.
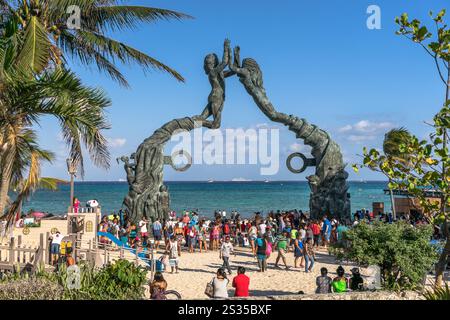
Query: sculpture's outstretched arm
pixel 235 67
pixel 225 58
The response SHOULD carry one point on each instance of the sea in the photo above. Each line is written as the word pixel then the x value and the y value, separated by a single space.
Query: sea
pixel 206 197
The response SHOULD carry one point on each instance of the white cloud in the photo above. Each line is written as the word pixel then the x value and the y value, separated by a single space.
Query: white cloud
pixel 345 128
pixel 116 142
pixel 360 138
pixel 367 126
pixel 365 130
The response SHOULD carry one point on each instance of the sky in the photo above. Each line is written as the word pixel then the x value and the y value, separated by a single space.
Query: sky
pixel 319 61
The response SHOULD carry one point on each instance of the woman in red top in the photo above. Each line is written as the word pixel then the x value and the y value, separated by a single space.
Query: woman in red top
pixel 316 232
pixel 241 283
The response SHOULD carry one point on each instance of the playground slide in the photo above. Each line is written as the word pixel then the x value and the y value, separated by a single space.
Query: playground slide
pixel 125 246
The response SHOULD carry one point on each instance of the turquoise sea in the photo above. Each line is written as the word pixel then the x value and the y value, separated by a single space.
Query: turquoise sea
pixel 245 197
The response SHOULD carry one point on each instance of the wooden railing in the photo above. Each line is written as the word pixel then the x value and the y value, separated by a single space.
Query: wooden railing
pixel 16 255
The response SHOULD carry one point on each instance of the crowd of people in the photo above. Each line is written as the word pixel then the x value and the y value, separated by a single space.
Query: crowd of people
pixel 277 233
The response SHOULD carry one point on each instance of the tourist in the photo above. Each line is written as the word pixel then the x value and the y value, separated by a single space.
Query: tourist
pixel 215 232
pixel 70 261
pixel 356 282
pixel 298 251
pixel 201 237
pixel 253 233
pixel 281 244
pixel 76 205
pixel 293 237
pixel 262 227
pixel 226 230
pixel 323 282
pixel 225 251
pixel 326 230
pixel 123 234
pixel 261 252
pixel 341 228
pixel 302 232
pixel 179 235
pixel 241 283
pixel 340 283
pixel 192 237
pixel 309 254
pixel 157 232
pixel 143 229
pixel 309 232
pixel 220 283
pixel 174 254
pixel 55 245
pixel 158 287
pixel 186 219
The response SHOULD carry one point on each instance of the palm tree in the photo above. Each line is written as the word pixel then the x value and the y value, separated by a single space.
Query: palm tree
pixel 47 39
pixel 393 139
pixel 24 172
pixel 24 100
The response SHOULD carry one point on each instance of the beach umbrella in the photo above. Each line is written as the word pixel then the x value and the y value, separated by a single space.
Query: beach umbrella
pixel 38 214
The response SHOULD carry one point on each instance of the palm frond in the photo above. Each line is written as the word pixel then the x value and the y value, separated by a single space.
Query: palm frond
pixel 87 55
pixel 117 18
pixel 35 51
pixel 124 53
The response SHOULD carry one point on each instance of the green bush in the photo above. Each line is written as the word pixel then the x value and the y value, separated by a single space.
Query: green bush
pixel 121 280
pixel 403 252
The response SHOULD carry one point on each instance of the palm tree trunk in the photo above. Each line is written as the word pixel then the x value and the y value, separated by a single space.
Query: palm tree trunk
pixel 5 180
pixel 394 213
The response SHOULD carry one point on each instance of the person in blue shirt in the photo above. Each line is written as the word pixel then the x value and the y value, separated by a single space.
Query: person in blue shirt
pixel 326 230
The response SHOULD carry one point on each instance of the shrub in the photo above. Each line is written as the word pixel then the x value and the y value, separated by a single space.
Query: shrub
pixel 403 252
pixel 119 281
pixel 438 293
pixel 30 289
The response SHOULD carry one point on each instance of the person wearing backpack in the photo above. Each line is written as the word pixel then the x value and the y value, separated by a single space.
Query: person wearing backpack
pixel 261 252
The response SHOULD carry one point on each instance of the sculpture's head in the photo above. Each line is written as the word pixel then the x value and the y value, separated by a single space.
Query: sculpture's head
pixel 255 71
pixel 211 61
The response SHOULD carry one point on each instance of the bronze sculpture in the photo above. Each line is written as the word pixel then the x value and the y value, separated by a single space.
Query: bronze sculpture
pixel 148 196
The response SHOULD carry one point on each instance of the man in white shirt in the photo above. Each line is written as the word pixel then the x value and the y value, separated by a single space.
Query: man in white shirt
pixel 225 251
pixel 143 229
pixel 262 228
pixel 224 214
pixel 56 244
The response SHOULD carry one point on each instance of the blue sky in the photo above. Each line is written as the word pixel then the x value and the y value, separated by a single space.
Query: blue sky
pixel 319 60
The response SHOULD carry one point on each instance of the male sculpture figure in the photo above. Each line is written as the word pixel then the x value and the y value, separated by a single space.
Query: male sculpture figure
pixel 216 75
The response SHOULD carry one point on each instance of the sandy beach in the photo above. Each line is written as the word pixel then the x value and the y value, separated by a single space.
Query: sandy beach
pixel 197 269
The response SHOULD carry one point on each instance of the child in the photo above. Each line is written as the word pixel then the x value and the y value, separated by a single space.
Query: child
pixel 246 242
pixel 165 260
pixel 174 253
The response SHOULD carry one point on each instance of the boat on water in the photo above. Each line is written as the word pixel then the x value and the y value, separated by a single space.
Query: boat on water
pixel 266 181
pixel 210 180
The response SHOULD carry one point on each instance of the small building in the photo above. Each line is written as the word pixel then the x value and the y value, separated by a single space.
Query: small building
pixel 406 204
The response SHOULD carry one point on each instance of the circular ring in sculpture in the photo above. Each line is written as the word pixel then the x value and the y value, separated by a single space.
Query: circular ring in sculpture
pixel 186 166
pixel 296 155
pixel 26 231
